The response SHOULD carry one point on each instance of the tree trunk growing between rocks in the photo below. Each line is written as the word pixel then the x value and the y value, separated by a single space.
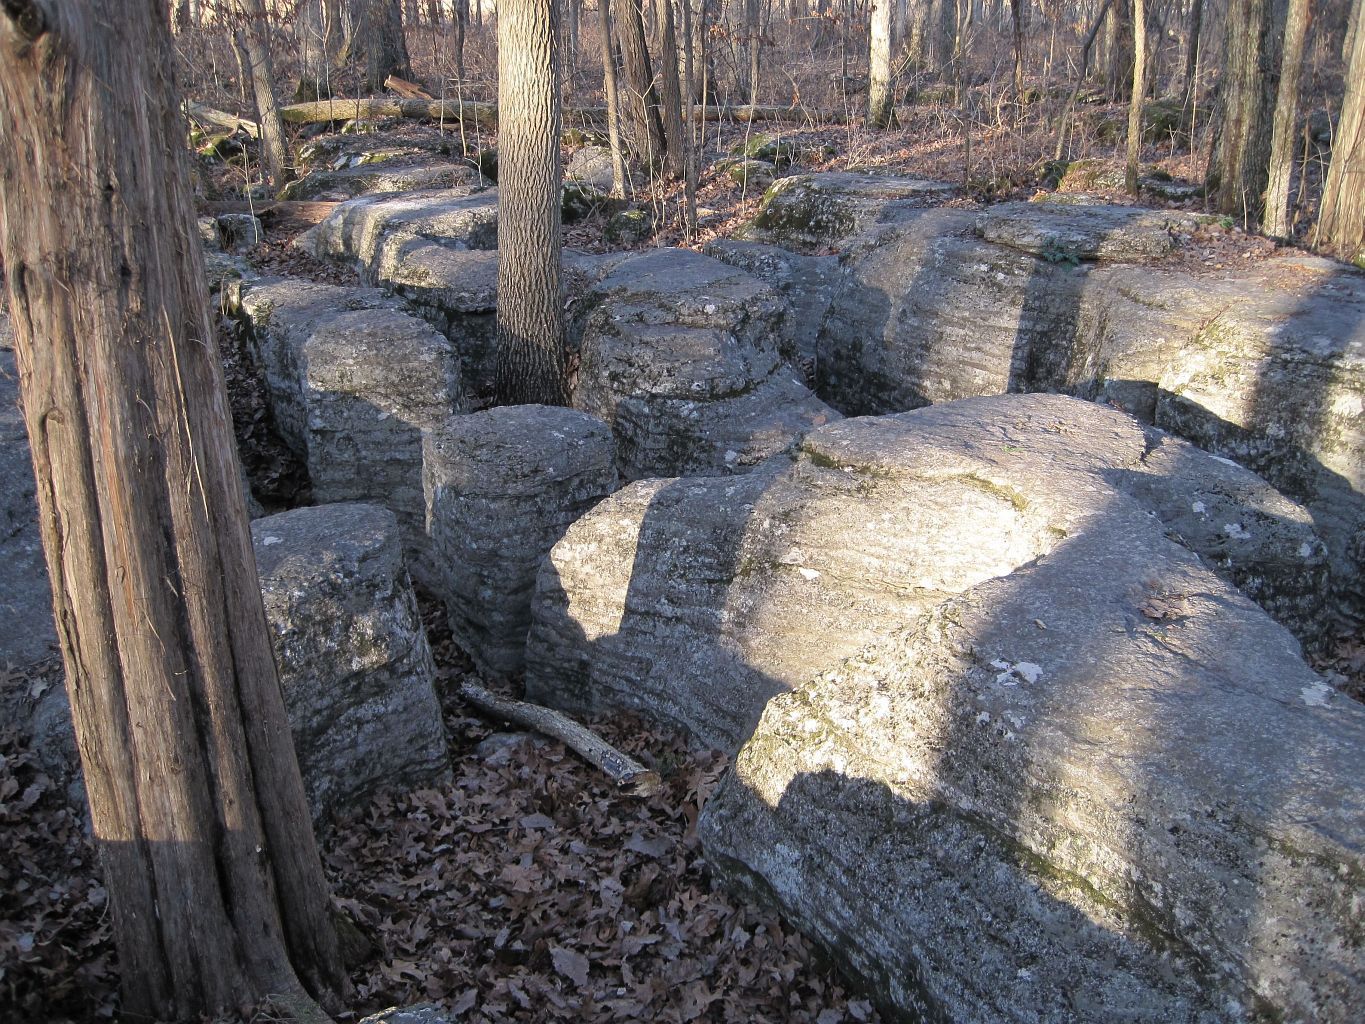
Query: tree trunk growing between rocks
pixel 215 885
pixel 1139 91
pixel 1250 82
pixel 530 315
pixel 1283 135
pixel 1341 223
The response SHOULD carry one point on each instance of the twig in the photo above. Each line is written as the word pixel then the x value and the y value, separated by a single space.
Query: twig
pixel 627 773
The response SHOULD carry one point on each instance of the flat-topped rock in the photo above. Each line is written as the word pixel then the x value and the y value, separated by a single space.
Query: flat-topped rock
pixel 1106 232
pixel 376 177
pixel 1118 763
pixel 374 232
pixel 352 389
pixel 502 486
pixel 682 355
pixel 815 211
pixel 354 662
pixel 694 600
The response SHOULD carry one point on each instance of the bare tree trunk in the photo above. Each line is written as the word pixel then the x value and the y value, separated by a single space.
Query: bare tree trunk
pixel 620 179
pixel 753 35
pixel 1250 83
pixel 214 880
pixel 879 97
pixel 321 39
pixel 1277 221
pixel 530 313
pixel 1341 223
pixel 1139 93
pixel 253 38
pixel 1192 53
pixel 460 16
pixel 379 34
pixel 675 137
pixel 1118 56
pixel 1064 124
pixel 1017 23
pixel 642 100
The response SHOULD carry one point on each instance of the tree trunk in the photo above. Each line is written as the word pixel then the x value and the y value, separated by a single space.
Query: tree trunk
pixel 530 323
pixel 321 39
pixel 1139 92
pixel 254 39
pixel 1017 24
pixel 753 36
pixel 620 179
pixel 642 101
pixel 1118 51
pixel 1192 53
pixel 1341 223
pixel 1064 123
pixel 460 16
pixel 879 97
pixel 675 137
pixel 1250 83
pixel 216 888
pixel 379 35
pixel 1282 136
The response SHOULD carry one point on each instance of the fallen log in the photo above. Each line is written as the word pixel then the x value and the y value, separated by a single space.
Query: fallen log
pixel 485 115
pixel 206 115
pixel 408 90
pixel 627 773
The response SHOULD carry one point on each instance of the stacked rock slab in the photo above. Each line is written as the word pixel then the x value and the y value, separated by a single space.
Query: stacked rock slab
pixel 353 383
pixel 377 177
pixel 502 486
pixel 1016 748
pixel 354 662
pixel 684 357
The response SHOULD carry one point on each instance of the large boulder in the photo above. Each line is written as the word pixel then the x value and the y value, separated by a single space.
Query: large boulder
pixel 353 382
pixel 354 662
pixel 502 486
pixel 374 233
pixel 695 600
pixel 684 357
pixel 812 212
pixel 1005 745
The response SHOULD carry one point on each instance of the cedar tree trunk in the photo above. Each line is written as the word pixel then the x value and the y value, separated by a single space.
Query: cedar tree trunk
pixel 215 884
pixel 1341 224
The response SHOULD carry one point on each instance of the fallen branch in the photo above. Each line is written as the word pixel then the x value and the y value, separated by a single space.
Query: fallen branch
pixel 220 118
pixel 408 90
pixel 626 772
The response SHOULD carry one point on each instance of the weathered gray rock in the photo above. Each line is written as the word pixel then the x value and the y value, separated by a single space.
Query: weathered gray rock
pixel 353 383
pixel 755 175
pixel 240 231
pixel 806 282
pixel 1118 234
pixel 418 1013
pixel 502 486
pixel 1103 782
pixel 683 356
pixel 354 662
pixel 808 212
pixel 376 232
pixel 696 600
pixel 592 165
pixel 378 178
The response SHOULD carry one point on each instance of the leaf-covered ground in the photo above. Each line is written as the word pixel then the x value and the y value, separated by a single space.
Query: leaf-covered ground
pixel 527 889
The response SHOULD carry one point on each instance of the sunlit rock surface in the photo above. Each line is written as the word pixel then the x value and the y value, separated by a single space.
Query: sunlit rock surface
pixel 376 177
pixel 354 662
pixel 353 382
pixel 686 358
pixel 502 486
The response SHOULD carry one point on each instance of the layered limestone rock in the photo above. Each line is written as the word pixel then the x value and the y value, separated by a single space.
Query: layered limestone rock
pixel 377 177
pixel 502 486
pixel 695 600
pixel 353 382
pixel 684 357
pixel 811 212
pixel 354 662
pixel 376 232
pixel 973 676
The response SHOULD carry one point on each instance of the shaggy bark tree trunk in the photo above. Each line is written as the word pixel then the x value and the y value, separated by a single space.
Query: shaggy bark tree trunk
pixel 215 885
pixel 379 35
pixel 620 179
pixel 879 98
pixel 642 100
pixel 1139 92
pixel 530 314
pixel 1341 222
pixel 1249 83
pixel 254 38
pixel 675 140
pixel 1283 135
